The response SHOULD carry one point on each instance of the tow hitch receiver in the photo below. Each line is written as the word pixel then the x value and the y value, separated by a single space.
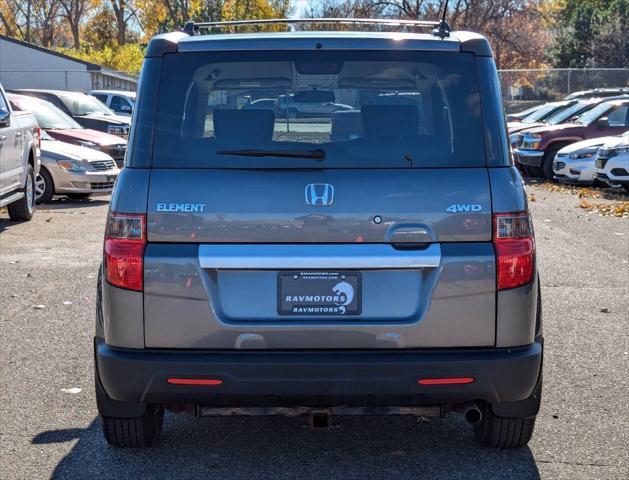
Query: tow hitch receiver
pixel 320 419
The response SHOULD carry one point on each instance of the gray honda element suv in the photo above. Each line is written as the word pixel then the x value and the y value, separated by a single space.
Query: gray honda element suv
pixel 374 256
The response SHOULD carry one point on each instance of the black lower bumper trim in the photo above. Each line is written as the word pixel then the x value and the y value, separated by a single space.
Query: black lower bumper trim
pixel 318 378
pixel 530 161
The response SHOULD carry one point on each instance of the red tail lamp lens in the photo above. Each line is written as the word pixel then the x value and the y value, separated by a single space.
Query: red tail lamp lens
pixel 125 241
pixel 515 249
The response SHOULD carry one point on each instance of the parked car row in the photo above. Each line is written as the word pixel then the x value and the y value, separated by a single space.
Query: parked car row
pixel 288 106
pixel 562 140
pixel 82 143
pixel 19 160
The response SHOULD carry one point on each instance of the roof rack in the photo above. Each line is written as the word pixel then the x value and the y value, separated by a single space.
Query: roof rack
pixel 440 28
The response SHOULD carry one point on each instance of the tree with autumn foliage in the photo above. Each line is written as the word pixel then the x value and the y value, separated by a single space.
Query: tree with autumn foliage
pixel 590 33
pixel 523 33
pixel 515 28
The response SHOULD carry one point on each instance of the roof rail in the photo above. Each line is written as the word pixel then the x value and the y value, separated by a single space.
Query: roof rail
pixel 441 28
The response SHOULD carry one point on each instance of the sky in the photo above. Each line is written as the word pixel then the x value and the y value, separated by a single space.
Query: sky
pixel 300 7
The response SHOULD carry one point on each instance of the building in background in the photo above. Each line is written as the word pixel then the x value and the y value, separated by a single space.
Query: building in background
pixel 24 65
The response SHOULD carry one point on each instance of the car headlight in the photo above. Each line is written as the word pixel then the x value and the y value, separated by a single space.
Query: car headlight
pixel 74 166
pixel 531 141
pixel 612 152
pixel 88 144
pixel 119 130
pixel 583 154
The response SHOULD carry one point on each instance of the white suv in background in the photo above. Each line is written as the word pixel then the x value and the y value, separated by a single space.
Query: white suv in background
pixel 574 163
pixel 119 101
pixel 612 162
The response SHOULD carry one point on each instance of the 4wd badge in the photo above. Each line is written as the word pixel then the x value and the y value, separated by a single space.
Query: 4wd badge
pixel 463 207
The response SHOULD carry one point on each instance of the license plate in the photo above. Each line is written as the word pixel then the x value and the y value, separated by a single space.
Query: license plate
pixel 319 293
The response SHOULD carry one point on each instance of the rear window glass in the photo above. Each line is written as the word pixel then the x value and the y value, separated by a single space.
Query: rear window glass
pixel 296 109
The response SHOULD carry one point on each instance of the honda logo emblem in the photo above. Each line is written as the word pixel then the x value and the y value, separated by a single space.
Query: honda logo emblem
pixel 319 194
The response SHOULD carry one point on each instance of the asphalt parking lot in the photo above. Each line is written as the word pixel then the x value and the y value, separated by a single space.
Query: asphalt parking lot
pixel 49 428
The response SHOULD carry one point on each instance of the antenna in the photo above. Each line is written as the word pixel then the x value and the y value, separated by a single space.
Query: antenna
pixel 443 30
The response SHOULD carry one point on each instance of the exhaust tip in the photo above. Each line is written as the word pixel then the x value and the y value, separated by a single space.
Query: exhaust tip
pixel 472 414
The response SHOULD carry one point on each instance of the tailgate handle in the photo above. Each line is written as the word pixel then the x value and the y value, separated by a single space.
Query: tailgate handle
pixel 335 257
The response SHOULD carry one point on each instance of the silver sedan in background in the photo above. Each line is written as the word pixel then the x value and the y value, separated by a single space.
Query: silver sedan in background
pixel 72 170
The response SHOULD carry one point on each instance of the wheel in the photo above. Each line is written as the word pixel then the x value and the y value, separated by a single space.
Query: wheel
pixel 135 432
pixel 549 157
pixel 292 113
pixel 23 209
pixel 493 431
pixel 78 196
pixel 44 187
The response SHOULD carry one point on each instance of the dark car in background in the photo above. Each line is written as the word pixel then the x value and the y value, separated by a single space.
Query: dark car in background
pixel 61 127
pixel 539 115
pixel 519 116
pixel 538 146
pixel 85 110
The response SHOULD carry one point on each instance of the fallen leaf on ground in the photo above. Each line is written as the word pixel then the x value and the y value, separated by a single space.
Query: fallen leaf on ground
pixel 615 209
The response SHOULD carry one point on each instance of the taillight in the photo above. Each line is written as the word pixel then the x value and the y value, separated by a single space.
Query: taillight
pixel 38 132
pixel 515 249
pixel 125 239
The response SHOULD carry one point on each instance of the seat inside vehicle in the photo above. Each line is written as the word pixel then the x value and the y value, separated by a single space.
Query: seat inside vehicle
pixel 390 122
pixel 233 125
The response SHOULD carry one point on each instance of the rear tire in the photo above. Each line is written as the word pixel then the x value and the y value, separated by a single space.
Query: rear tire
pixel 23 209
pixel 549 157
pixel 136 432
pixel 497 432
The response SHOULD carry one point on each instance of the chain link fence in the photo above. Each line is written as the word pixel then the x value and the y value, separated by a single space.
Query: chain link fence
pixel 523 88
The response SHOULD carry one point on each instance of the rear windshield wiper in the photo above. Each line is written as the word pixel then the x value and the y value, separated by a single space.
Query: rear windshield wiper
pixel 252 152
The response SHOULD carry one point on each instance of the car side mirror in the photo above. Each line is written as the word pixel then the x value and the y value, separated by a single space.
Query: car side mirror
pixel 5 118
pixel 125 108
pixel 602 123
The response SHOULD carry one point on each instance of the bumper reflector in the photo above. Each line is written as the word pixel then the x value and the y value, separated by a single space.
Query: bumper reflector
pixel 213 382
pixel 446 381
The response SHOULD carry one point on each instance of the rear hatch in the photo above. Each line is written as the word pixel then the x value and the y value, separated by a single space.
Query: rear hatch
pixel 265 232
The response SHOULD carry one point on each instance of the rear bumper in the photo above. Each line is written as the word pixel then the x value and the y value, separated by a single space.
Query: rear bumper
pixel 318 378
